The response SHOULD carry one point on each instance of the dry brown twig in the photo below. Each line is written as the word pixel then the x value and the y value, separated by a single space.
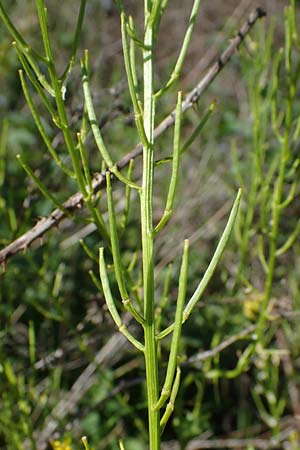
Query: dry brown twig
pixel 203 355
pixel 76 200
pixel 288 426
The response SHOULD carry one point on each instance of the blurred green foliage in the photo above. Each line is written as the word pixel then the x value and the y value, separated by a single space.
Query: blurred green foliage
pixel 53 319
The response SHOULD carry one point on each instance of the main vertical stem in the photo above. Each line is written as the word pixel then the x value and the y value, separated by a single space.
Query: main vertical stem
pixel 147 238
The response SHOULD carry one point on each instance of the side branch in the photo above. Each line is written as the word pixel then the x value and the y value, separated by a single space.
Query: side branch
pixel 98 182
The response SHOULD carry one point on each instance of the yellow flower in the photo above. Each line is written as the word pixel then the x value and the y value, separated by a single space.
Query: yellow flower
pixel 252 304
pixel 62 445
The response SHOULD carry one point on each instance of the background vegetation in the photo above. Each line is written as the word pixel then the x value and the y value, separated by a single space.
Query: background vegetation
pixel 64 370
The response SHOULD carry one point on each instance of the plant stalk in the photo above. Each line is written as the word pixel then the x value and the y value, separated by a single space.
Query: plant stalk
pixel 147 238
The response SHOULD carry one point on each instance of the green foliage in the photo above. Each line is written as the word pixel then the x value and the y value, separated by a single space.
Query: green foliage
pixel 64 367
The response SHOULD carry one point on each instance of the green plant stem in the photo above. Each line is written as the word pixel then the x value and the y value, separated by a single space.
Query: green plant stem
pixel 85 165
pixel 31 55
pixel 124 219
pixel 3 149
pixel 183 50
pixel 277 200
pixel 41 128
pixel 88 251
pixel 95 128
pixel 118 268
pixel 129 61
pixel 255 183
pixel 170 405
pixel 38 87
pixel 17 36
pixel 210 269
pixel 75 44
pixel 147 238
pixel 57 87
pixel 172 363
pixel 111 304
pixel 164 298
pixel 43 188
pixel 70 144
pixel 290 241
pixel 175 168
pixel 191 138
pixel 85 443
pixel 276 214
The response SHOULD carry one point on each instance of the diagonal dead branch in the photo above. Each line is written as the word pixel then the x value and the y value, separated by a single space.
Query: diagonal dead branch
pixel 98 182
pixel 288 427
pixel 202 356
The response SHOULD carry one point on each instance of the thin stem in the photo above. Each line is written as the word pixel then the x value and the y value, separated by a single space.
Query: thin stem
pixel 75 44
pixel 43 188
pixel 95 279
pixel 170 405
pixel 256 180
pixel 73 151
pixel 125 216
pixel 17 36
pixel 183 50
pixel 160 309
pixel 129 62
pixel 32 343
pixel 57 86
pixel 91 113
pixel 261 254
pixel 63 120
pixel 131 55
pixel 192 137
pixel 276 214
pixel 95 128
pixel 88 197
pixel 118 269
pixel 42 13
pixel 290 241
pixel 172 363
pixel 147 237
pixel 210 269
pixel 31 55
pixel 198 128
pixel 121 445
pixel 3 150
pixel 215 259
pixel 85 165
pixel 175 168
pixel 85 443
pixel 41 129
pixel 132 34
pixel 32 77
pixel 88 251
pixel 111 304
pixel 291 194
